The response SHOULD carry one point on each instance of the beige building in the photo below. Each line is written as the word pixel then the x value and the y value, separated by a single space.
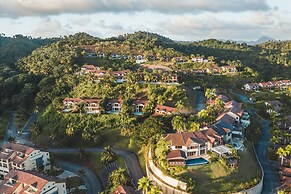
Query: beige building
pixel 18 156
pixel 17 182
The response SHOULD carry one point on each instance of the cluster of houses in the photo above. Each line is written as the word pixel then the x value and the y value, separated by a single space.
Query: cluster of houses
pixel 18 171
pixel 112 106
pixel 271 85
pixel 138 57
pixel 120 76
pixel 214 70
pixel 227 129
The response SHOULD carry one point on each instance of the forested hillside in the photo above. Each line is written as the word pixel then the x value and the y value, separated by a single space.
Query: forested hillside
pixel 43 78
pixel 18 46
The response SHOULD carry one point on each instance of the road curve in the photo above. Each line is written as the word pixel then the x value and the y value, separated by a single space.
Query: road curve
pixel 131 160
pixel 271 181
pixel 91 181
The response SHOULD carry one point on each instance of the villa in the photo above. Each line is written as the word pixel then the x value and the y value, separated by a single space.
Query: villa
pixel 191 145
pixel 165 110
pixel 17 156
pixel 139 106
pixel 71 104
pixel 92 106
pixel 280 84
pixel 113 106
pixel 18 182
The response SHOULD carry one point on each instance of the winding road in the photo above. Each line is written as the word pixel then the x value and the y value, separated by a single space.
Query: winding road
pixel 271 181
pixel 92 183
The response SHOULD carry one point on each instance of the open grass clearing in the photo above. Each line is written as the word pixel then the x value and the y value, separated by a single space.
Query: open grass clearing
pixel 215 178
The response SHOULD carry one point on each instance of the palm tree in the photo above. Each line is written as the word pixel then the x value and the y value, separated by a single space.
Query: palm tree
pixel 118 177
pixel 210 93
pixel 179 124
pixel 155 190
pixel 282 153
pixel 194 126
pixel 108 156
pixel 144 183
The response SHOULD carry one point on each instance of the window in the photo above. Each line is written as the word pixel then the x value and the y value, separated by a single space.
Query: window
pixel 178 147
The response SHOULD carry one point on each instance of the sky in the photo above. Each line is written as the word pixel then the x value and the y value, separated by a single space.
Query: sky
pixel 186 20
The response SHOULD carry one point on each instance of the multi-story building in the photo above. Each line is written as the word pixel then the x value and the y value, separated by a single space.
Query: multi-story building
pixel 189 145
pixel 17 156
pixel 31 182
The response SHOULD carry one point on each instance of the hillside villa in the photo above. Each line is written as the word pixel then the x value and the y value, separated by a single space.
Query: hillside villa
pixel 270 85
pixel 18 156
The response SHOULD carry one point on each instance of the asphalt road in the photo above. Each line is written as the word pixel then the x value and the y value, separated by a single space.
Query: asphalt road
pixel 92 183
pixel 24 136
pixel 131 160
pixel 11 130
pixel 271 179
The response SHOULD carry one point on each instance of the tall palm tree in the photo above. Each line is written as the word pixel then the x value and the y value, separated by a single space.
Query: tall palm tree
pixel 118 177
pixel 144 184
pixel 282 153
pixel 108 155
pixel 179 124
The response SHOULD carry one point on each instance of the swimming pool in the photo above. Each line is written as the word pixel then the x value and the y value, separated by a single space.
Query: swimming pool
pixel 196 161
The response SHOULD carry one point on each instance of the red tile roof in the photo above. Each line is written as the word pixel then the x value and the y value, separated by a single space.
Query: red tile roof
pixel 123 190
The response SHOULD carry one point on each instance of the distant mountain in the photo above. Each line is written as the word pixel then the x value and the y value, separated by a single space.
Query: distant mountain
pixel 259 41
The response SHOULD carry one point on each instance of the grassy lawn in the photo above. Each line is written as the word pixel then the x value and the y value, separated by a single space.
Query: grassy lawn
pixel 215 178
pixel 91 160
pixel 4 119
pixel 113 138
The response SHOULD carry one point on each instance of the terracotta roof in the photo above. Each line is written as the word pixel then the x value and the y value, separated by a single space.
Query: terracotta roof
pixel 176 154
pixel 187 138
pixel 72 99
pixel 234 107
pixel 139 101
pixel 167 109
pixel 92 100
pixel 86 66
pixel 21 177
pixel 123 190
pixel 286 171
pixel 18 147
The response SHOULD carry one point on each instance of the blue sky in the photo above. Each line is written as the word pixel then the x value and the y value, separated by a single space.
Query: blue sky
pixel 176 19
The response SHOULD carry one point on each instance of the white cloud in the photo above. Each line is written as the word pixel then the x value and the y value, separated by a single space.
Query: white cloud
pixel 18 8
pixel 50 28
pixel 253 26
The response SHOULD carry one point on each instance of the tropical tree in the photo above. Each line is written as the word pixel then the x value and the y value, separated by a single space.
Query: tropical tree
pixel 194 126
pixel 155 190
pixel 144 184
pixel 179 124
pixel 118 177
pixel 210 93
pixel 282 153
pixel 108 156
pixel 190 185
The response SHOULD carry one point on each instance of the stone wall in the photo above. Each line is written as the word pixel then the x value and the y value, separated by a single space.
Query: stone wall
pixel 168 184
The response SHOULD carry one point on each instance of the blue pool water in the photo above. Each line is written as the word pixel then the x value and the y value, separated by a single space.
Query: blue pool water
pixel 196 161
